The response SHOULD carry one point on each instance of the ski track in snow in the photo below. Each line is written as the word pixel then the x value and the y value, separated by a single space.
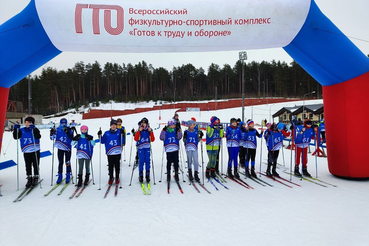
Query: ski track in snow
pixel 307 215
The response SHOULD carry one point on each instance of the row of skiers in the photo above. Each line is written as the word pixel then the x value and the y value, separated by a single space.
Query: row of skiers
pixel 240 137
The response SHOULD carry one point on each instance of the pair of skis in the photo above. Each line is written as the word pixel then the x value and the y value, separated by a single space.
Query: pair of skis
pixel 256 180
pixel 26 192
pixel 79 190
pixel 109 187
pixel 56 186
pixel 313 180
pixel 148 192
pixel 179 187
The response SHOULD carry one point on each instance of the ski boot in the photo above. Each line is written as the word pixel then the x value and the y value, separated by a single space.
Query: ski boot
pixel 247 172
pixel 87 178
pixel 148 176
pixel 229 173
pixel 140 177
pixel 111 179
pixel 60 178
pixel 197 179
pixel 176 177
pixel 267 172
pixel 67 178
pixel 274 172
pixel 35 180
pixel 79 184
pixel 117 181
pixel 297 172
pixel 236 175
pixel 305 172
pixel 212 173
pixel 190 177
pixel 29 181
pixel 253 174
pixel 207 173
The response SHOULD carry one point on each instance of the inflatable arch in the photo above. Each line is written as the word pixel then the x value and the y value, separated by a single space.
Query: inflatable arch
pixel 46 28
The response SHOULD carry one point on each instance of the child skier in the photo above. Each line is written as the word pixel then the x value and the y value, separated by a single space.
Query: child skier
pixel 85 145
pixel 233 135
pixel 191 138
pixel 121 128
pixel 113 140
pixel 303 137
pixel 30 144
pixel 214 134
pixel 144 137
pixel 170 135
pixel 250 145
pixel 63 136
pixel 274 137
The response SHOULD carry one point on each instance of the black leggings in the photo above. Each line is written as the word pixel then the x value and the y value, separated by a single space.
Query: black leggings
pixel 250 154
pixel 32 159
pixel 114 162
pixel 172 157
pixel 61 154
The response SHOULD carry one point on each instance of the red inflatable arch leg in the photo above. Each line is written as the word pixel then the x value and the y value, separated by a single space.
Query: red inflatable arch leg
pixel 4 93
pixel 347 132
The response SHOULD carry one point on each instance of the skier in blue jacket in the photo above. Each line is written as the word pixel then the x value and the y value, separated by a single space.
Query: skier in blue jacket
pixel 250 145
pixel 233 135
pixel 84 144
pixel 114 142
pixel 29 137
pixel 63 136
pixel 302 140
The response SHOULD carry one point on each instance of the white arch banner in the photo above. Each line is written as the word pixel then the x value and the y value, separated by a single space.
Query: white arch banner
pixel 167 26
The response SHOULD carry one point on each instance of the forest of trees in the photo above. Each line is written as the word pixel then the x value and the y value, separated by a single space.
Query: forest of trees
pixel 54 90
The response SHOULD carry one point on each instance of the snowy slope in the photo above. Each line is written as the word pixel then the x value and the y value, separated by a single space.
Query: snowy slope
pixel 310 215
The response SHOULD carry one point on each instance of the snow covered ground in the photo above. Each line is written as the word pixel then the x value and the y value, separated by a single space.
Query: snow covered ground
pixel 307 215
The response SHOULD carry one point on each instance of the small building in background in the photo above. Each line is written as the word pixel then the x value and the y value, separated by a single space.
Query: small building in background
pixel 314 112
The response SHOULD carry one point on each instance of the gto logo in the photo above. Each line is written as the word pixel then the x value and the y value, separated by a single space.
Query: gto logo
pixel 96 17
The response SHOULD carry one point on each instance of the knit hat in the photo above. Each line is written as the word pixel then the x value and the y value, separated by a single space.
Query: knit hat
pixel 190 122
pixel 213 119
pixel 250 122
pixel 84 128
pixel 119 120
pixel 171 122
pixel 113 122
pixel 242 123
pixel 193 118
pixel 145 120
pixel 30 119
pixel 63 121
pixel 268 124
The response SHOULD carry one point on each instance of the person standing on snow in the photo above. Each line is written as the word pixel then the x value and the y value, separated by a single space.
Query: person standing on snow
pixel 113 140
pixel 250 147
pixel 29 137
pixel 85 146
pixel 63 136
pixel 144 137
pixel 233 135
pixel 170 135
pixel 274 137
pixel 191 138
pixel 302 140
pixel 214 134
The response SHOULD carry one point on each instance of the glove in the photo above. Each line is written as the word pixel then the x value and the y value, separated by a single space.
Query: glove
pixel 99 133
pixel 32 126
pixel 16 126
pixel 122 132
pixel 52 131
pixel 66 129
pixel 133 131
pixel 201 134
pixel 292 126
pixel 165 128
pixel 89 137
pixel 77 137
pixel 73 129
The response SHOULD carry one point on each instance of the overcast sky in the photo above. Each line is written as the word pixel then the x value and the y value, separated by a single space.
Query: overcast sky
pixel 350 16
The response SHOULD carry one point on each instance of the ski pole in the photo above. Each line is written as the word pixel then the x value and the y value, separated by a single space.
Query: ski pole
pixel 162 163
pixel 52 161
pixel 130 155
pixel 153 168
pixel 92 166
pixel 316 154
pixel 36 157
pixel 292 138
pixel 100 161
pixel 202 160
pixel 284 163
pixel 133 169
pixel 17 161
